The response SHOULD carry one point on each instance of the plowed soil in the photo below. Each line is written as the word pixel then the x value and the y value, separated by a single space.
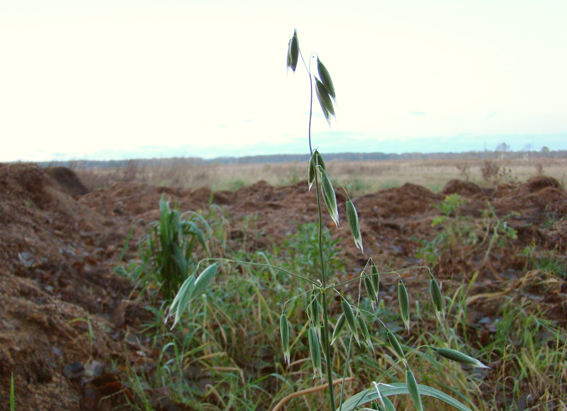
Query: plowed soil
pixel 66 317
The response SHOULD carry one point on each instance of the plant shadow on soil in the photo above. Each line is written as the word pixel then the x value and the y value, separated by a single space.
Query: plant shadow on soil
pixel 71 330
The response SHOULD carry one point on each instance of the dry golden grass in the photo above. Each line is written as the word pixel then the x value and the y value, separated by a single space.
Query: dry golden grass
pixel 358 177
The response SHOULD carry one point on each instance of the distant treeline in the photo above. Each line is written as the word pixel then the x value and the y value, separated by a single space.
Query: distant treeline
pixel 289 158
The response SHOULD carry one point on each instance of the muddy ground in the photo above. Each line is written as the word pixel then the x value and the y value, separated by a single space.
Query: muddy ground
pixel 65 316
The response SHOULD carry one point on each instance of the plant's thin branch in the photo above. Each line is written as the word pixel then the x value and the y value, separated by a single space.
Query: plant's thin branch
pixel 310 98
pixel 285 400
pixel 315 283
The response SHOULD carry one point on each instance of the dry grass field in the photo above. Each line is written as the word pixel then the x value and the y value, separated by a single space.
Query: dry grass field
pixel 358 177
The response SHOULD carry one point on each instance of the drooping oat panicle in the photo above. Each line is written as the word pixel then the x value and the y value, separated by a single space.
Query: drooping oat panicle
pixel 458 356
pixel 338 327
pixel 403 299
pixel 364 329
pixel 350 318
pixel 369 285
pixel 375 275
pixel 316 162
pixel 314 308
pixel 330 198
pixel 293 51
pixel 315 350
pixel 326 78
pixel 320 161
pixel 437 298
pixel 312 170
pixel 324 100
pixel 284 332
pixel 395 343
pixel 413 389
pixel 352 217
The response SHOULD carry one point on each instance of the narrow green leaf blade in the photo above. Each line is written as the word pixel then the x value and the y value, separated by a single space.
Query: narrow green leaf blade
pixel 204 279
pixel 182 299
pixel 12 396
pixel 364 397
pixel 413 389
pixel 199 234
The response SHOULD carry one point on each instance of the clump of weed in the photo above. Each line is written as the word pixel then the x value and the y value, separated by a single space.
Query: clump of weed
pixel 546 260
pixel 168 252
pixel 489 171
pixel 493 174
pixel 465 171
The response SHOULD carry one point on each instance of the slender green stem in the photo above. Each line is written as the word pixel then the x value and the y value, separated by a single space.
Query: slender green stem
pixel 325 332
pixel 291 273
pixel 310 103
pixel 345 372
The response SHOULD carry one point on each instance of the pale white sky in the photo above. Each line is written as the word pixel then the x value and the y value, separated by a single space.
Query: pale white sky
pixel 101 78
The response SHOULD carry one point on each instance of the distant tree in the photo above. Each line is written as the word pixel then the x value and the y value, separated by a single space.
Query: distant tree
pixel 527 148
pixel 545 151
pixel 501 149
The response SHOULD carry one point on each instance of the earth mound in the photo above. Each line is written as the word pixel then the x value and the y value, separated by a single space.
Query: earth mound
pixel 460 187
pixel 65 315
pixel 67 180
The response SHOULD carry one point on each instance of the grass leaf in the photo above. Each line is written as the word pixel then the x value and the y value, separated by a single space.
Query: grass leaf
pixel 369 395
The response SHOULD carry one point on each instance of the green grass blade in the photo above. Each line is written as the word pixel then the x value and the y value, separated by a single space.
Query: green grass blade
pixel 200 236
pixel 364 397
pixel 182 299
pixel 204 279
pixel 12 395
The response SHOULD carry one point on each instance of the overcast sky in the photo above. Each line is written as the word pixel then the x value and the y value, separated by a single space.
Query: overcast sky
pixel 106 78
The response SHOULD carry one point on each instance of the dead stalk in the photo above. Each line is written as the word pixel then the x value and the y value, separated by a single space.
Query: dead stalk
pixel 286 399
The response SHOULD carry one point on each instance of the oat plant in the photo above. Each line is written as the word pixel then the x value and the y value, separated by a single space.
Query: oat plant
pixel 321 296
pixel 320 293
